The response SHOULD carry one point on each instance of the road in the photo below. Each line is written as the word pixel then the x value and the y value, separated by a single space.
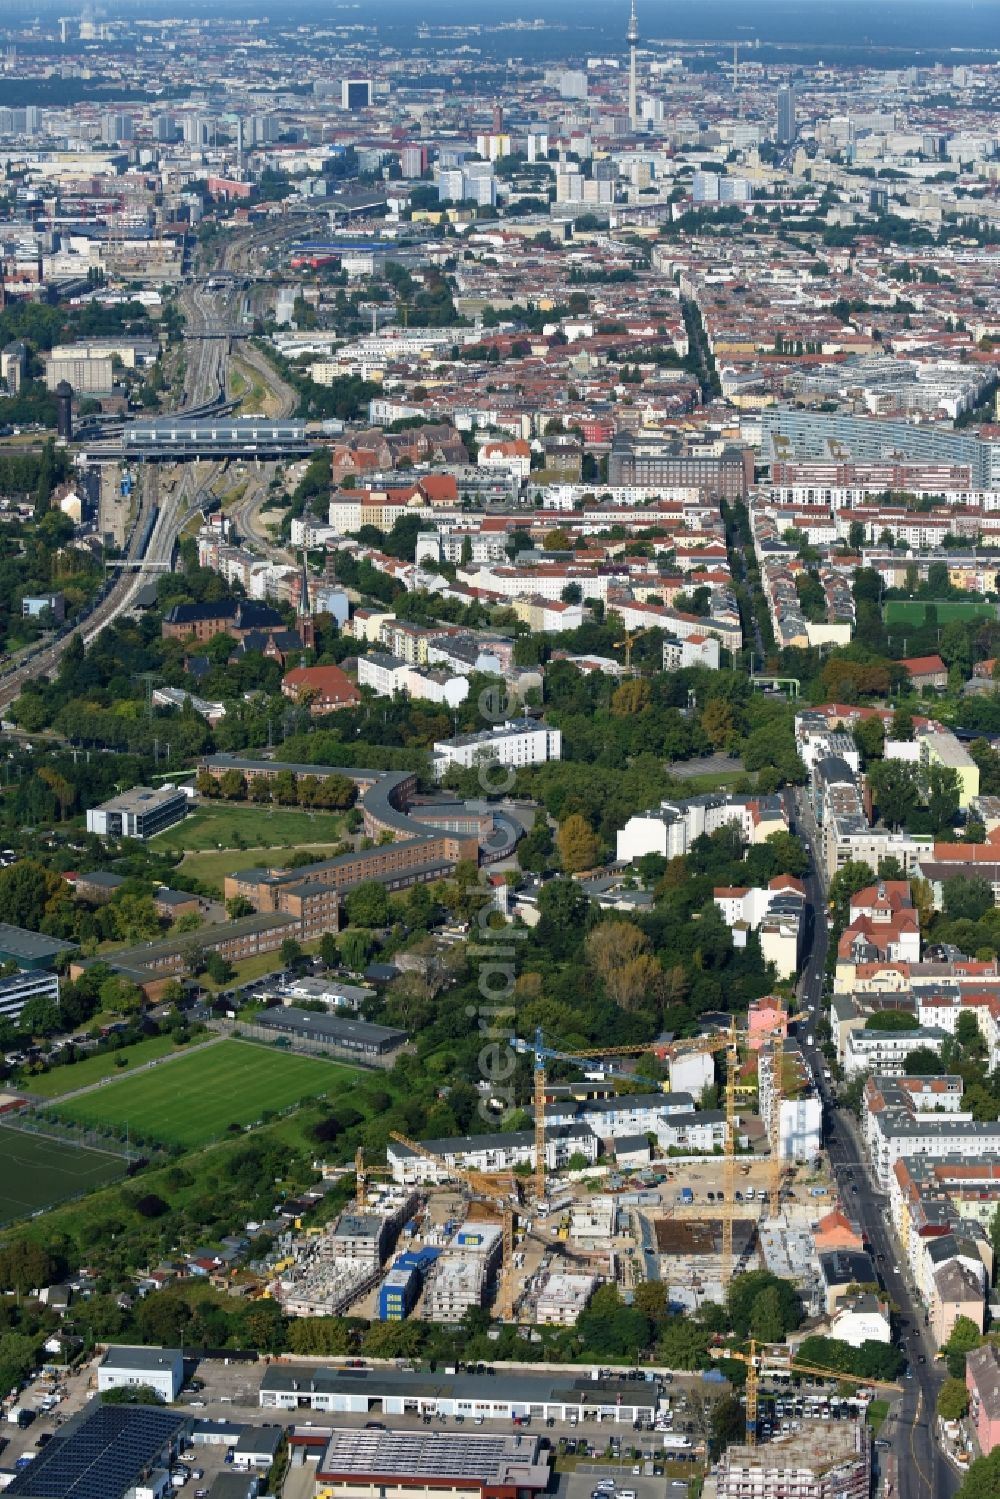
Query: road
pixel 923 1470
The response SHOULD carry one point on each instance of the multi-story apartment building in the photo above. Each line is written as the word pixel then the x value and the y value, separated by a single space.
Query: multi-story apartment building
pixel 829 1460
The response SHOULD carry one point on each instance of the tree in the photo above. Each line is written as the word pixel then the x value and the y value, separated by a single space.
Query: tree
pixel 966 899
pixel 578 844
pixel 869 736
pixel 630 698
pixel 39 1017
pixel 892 1020
pixel 132 1394
pixel 25 1266
pixel 896 789
pixel 718 723
pixel 953 1400
pixel 743 1293
pixel 290 952
pixel 943 793
pixel 218 968
pixel 610 946
pixel 727 1423
pixel 921 1062
pixel 964 1336
pixel 562 909
pixel 328 950
pixel 767 1323
pixel 29 893
pixel 135 918
pixel 368 905
pixel 120 996
pixel 355 949
pixel 982 1481
pixel 232 785
pixel 902 725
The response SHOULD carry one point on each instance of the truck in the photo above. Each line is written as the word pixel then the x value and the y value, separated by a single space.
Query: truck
pixel 21 1415
pixel 685 1195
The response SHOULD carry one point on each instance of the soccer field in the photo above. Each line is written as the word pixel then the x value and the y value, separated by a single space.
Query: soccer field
pixel 37 1173
pixel 196 1098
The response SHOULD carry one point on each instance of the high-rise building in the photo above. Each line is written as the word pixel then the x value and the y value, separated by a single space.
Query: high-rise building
pixel 356 93
pixel 263 130
pixel 632 37
pixel 413 161
pixel 786 115
pixel 117 127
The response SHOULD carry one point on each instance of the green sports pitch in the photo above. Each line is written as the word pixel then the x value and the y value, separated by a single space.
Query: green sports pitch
pixel 193 1099
pixel 37 1172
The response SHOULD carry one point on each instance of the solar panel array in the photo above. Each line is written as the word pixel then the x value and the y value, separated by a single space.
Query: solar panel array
pixel 425 1455
pixel 100 1455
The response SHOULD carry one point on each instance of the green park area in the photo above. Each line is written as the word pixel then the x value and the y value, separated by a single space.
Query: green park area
pixel 196 1098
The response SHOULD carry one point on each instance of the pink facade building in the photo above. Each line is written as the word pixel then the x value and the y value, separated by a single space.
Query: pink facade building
pixel 766 1019
pixel 982 1379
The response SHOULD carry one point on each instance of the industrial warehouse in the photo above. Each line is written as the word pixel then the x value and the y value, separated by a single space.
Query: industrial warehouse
pixel 395 1462
pixel 494 1396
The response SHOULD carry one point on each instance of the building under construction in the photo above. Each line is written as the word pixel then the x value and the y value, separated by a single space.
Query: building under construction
pixel 825 1460
pixel 690 1255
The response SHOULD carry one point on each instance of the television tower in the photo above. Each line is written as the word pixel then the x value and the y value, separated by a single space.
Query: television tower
pixel 632 37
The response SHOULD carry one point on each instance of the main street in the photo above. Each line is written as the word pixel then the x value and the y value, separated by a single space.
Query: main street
pixel 923 1470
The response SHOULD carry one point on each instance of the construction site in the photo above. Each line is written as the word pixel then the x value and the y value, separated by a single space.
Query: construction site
pixel 611 1186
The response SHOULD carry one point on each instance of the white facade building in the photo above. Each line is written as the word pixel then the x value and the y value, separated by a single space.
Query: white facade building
pixel 125 1367
pixel 518 742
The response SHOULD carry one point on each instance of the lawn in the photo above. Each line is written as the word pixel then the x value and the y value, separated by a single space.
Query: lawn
pixel 196 1098
pixel 211 868
pixel 876 1414
pixel 36 1173
pixel 257 967
pixel 93 1069
pixel 220 825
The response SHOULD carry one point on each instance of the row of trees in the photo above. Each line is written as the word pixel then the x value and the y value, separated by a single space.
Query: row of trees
pixel 285 789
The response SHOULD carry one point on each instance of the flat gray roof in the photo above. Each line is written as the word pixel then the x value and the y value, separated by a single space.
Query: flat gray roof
pixel 132 1356
pixel 504 1385
pixel 142 799
pixel 434 1458
pixel 332 1027
pixel 21 943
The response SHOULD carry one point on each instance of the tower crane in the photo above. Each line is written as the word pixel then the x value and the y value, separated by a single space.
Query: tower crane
pixel 363 1174
pixel 726 1040
pixel 630 638
pixel 497 1190
pixel 543 1053
pixel 783 1362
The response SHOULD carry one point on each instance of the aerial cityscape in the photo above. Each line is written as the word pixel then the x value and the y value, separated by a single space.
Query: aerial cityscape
pixel 500 751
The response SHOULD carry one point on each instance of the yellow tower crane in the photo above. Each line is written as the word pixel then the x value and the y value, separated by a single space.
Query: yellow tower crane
pixel 782 1362
pixel 363 1175
pixel 729 1041
pixel 630 638
pixel 495 1189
